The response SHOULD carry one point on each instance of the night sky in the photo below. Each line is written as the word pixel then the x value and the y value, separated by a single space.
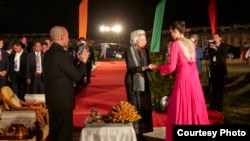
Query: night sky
pixel 38 16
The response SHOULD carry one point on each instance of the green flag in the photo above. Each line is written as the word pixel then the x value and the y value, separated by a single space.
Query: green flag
pixel 156 35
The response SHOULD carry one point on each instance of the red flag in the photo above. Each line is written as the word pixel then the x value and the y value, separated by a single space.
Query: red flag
pixel 83 18
pixel 212 15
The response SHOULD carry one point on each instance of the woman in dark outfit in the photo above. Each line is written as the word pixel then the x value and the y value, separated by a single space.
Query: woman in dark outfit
pixel 137 81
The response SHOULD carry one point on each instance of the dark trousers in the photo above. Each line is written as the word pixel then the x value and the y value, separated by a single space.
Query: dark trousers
pixel 37 85
pixel 3 81
pixel 142 102
pixel 218 79
pixel 19 85
pixel 88 71
pixel 60 125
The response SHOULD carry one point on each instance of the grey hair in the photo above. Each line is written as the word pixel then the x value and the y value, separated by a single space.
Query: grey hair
pixel 195 36
pixel 134 35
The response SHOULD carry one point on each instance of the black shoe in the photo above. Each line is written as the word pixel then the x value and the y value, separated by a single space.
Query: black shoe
pixel 143 138
pixel 140 138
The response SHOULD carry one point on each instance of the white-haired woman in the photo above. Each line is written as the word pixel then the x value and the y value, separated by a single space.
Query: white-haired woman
pixel 137 81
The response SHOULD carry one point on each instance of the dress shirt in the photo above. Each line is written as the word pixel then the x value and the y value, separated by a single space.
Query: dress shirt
pixel 38 54
pixel 17 60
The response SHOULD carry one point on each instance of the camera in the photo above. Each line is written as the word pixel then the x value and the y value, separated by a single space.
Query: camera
pixel 81 48
pixel 206 48
pixel 206 44
pixel 211 42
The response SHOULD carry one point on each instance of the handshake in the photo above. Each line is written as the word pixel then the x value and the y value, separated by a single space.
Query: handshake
pixel 150 66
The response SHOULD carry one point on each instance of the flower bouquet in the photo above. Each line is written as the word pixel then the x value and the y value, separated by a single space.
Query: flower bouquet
pixel 123 112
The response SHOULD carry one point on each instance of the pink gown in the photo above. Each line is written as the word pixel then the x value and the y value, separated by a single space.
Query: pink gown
pixel 187 103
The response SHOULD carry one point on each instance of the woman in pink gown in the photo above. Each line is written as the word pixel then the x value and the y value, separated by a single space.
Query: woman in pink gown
pixel 187 103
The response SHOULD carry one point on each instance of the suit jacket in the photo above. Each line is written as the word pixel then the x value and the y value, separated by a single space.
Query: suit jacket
pixel 31 64
pixel 218 58
pixel 92 54
pixel 59 74
pixel 22 68
pixel 4 63
pixel 4 66
pixel 133 69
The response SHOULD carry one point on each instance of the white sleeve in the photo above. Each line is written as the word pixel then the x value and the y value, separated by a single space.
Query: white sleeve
pixel 247 53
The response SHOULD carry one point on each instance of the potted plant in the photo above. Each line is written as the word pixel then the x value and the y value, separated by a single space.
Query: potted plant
pixel 161 86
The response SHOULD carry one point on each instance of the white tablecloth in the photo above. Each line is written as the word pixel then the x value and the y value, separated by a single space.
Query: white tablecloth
pixel 108 132
pixel 28 118
pixel 35 97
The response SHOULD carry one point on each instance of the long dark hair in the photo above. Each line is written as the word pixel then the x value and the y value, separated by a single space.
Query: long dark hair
pixel 179 25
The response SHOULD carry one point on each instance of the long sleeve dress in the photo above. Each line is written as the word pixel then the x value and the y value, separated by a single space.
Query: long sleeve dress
pixel 187 103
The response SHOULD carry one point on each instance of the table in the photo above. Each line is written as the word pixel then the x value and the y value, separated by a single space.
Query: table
pixel 34 97
pixel 27 118
pixel 13 138
pixel 108 132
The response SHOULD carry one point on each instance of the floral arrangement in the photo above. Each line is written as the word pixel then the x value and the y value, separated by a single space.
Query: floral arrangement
pixel 123 112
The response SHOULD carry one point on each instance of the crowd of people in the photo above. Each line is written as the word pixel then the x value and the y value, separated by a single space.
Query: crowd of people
pixel 42 67
pixel 49 64
pixel 21 65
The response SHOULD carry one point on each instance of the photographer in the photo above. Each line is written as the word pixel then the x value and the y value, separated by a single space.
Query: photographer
pixel 79 48
pixel 218 70
pixel 83 43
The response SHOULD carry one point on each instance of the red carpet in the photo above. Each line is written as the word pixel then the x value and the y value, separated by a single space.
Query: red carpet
pixel 107 89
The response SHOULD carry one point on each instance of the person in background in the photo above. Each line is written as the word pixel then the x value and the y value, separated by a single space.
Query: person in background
pixel 48 41
pixel 104 47
pixel 167 53
pixel 18 60
pixel 186 105
pixel 247 56
pixel 34 73
pixel 60 73
pixel 25 45
pixel 137 81
pixel 4 64
pixel 90 62
pixel 45 47
pixel 218 69
pixel 199 52
pixel 9 50
pixel 81 44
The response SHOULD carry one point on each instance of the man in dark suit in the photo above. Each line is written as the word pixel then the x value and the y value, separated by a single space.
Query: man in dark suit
pixel 82 43
pixel 34 73
pixel 4 64
pixel 59 74
pixel 18 70
pixel 90 63
pixel 218 68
